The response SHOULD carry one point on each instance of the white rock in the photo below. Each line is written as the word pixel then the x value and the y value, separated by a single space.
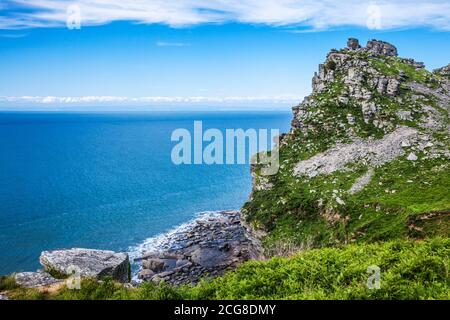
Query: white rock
pixel 405 144
pixel 361 182
pixel 88 262
pixel 340 201
pixel 412 157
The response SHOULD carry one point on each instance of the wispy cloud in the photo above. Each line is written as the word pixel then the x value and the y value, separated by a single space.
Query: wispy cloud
pixel 312 14
pixel 13 35
pixel 286 99
pixel 172 44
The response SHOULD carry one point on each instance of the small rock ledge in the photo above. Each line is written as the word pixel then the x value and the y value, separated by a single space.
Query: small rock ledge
pixel 85 263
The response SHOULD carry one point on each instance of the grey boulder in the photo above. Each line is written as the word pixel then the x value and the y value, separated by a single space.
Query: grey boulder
pixel 87 263
pixel 35 279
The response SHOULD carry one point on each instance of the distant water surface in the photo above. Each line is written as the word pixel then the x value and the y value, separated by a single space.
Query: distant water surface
pixel 107 181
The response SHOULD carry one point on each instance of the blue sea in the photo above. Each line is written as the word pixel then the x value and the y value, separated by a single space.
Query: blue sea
pixel 106 181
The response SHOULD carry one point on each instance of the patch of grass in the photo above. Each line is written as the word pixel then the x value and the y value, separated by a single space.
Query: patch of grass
pixel 392 66
pixel 409 270
pixel 8 283
pixel 107 289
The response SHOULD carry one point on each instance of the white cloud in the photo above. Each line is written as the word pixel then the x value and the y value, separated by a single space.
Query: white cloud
pixel 68 100
pixel 314 14
pixel 172 44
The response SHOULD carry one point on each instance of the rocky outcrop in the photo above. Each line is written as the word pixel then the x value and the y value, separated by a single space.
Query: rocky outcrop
pixel 35 279
pixel 374 47
pixel 381 47
pixel 353 44
pixel 87 262
pixel 207 249
pixel 360 82
pixel 260 182
pixel 353 79
pixel 443 72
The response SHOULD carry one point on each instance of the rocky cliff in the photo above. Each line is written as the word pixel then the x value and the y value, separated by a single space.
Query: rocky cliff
pixel 367 157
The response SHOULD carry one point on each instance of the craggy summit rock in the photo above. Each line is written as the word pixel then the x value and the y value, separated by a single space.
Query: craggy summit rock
pixel 89 262
pixel 353 44
pixel 381 47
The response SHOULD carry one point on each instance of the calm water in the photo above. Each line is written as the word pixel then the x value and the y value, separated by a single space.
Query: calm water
pixel 106 181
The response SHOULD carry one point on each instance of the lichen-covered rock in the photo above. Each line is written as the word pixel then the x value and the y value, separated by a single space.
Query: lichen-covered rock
pixel 35 279
pixel 381 47
pixel 87 262
pixel 353 44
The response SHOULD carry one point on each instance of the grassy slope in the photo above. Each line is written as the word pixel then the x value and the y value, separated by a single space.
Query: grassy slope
pixel 409 270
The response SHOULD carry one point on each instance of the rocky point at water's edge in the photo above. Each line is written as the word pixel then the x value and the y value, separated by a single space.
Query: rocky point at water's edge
pixel 207 247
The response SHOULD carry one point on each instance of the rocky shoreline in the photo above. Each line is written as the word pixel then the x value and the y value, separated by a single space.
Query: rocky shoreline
pixel 208 248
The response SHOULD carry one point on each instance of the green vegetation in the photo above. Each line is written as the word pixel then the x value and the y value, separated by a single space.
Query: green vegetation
pixel 8 283
pixel 393 66
pixel 408 270
pixel 57 274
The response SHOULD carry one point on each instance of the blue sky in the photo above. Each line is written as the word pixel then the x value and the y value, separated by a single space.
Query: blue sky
pixel 181 58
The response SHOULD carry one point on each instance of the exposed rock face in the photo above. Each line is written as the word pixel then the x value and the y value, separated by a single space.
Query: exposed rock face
pixel 381 47
pixel 88 262
pixel 2 297
pixel 207 249
pixel 353 44
pixel 444 71
pixel 35 279
pixel 260 182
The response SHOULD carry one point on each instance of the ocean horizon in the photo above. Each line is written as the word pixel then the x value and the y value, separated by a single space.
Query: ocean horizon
pixel 105 180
